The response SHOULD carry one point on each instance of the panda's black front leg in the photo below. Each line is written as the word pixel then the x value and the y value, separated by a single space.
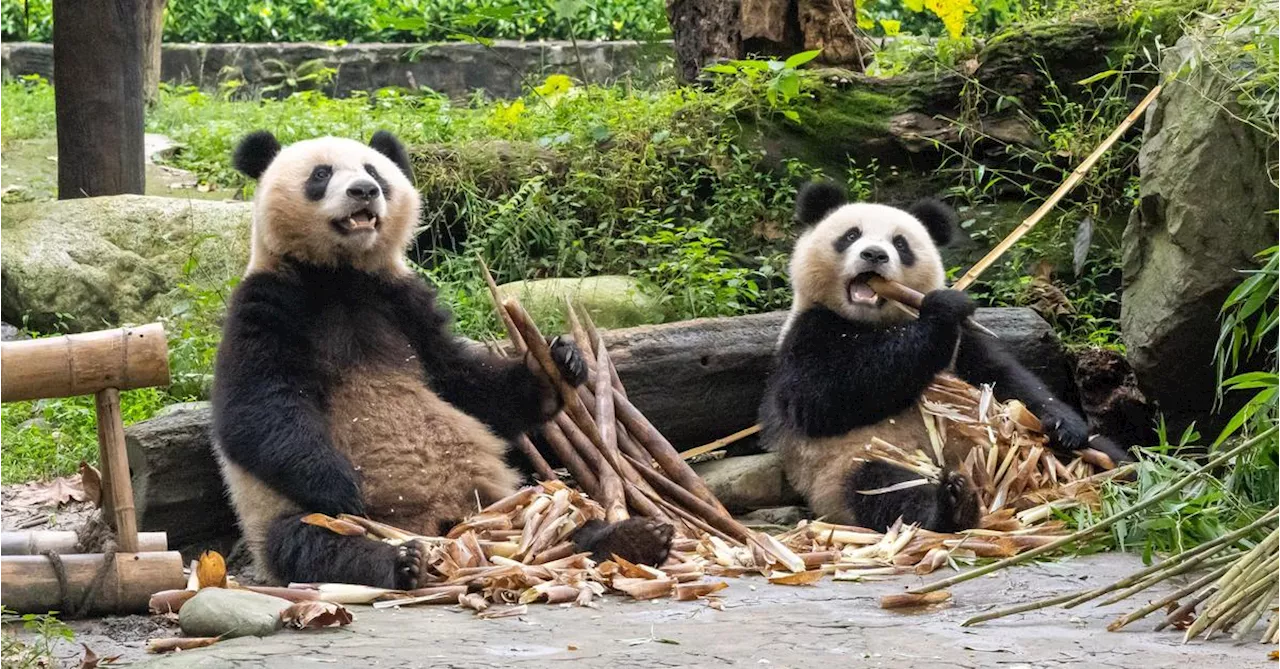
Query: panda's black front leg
pixel 950 505
pixel 302 553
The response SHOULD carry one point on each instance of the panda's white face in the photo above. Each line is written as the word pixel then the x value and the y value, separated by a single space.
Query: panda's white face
pixel 333 201
pixel 833 259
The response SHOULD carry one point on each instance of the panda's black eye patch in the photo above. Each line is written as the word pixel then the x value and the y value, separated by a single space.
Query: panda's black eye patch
pixel 318 182
pixel 848 238
pixel 382 183
pixel 905 255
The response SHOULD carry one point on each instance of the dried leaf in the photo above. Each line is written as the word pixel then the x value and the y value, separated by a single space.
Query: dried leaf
pixel 91 483
pixel 1080 249
pixel 211 570
pixel 90 659
pixel 57 492
pixel 906 599
pixel 504 613
pixel 690 591
pixel 799 578
pixel 315 615
pixel 344 527
pixel 179 643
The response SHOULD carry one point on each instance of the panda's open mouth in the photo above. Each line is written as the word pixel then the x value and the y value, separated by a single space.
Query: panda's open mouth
pixel 358 221
pixel 859 292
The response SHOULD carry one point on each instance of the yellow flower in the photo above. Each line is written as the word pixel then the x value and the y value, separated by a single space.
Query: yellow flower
pixel 891 27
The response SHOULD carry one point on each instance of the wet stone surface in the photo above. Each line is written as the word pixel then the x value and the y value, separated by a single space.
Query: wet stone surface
pixel 761 626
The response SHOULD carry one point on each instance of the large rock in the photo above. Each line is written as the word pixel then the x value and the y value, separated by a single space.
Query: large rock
pixel 108 261
pixel 1205 210
pixel 227 613
pixel 695 380
pixel 748 482
pixel 176 482
pixel 613 301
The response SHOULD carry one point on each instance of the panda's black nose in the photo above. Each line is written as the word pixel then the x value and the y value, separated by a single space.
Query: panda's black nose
pixel 363 190
pixel 874 255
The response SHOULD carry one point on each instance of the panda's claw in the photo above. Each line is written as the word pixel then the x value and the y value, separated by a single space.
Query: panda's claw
pixel 411 565
pixel 962 507
pixel 570 361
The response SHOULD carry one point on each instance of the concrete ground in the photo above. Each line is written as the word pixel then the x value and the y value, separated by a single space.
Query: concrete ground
pixel 762 626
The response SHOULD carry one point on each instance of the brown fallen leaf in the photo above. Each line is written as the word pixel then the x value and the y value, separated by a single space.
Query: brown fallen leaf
pixel 57 492
pixel 315 615
pixel 91 483
pixel 906 599
pixel 211 570
pixel 1184 621
pixel 504 613
pixel 689 591
pixel 90 659
pixel 170 644
pixel 344 527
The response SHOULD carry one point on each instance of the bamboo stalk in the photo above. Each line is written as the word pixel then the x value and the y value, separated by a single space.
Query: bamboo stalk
pixel 594 335
pixel 1021 608
pixel 513 333
pixel 539 463
pixel 1076 176
pixel 685 498
pixel 720 443
pixel 1103 524
pixel 663 452
pixel 573 405
pixel 611 480
pixel 678 512
pixel 1166 600
pixel 568 455
pixel 913 298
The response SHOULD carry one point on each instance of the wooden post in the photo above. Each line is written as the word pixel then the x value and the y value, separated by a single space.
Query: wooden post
pixel 152 42
pixel 97 60
pixel 63 542
pixel 111 450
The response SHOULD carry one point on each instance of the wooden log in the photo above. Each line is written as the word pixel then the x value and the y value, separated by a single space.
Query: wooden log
pixel 115 460
pixel 30 582
pixel 33 542
pixel 98 54
pixel 83 364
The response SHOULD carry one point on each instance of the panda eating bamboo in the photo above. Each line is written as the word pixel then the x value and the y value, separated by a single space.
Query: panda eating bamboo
pixel 851 366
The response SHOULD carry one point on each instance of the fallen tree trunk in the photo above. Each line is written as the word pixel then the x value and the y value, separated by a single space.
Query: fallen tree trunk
pixel 694 380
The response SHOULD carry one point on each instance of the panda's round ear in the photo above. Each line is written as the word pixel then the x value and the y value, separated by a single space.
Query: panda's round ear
pixel 817 199
pixel 388 145
pixel 255 152
pixel 938 218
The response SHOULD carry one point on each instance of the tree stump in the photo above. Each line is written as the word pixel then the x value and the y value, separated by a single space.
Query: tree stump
pixel 704 31
pixel 98 55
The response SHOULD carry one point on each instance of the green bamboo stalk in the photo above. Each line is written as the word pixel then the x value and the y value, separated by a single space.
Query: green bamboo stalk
pixel 1100 525
pixel 1251 620
pixel 1145 611
pixel 1204 562
pixel 1218 613
pixel 1021 608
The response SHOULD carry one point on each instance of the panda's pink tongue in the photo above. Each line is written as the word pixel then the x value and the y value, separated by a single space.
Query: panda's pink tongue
pixel 859 291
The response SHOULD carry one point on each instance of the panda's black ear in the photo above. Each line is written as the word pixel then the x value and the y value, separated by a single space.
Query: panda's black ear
pixel 255 152
pixel 938 218
pixel 388 145
pixel 817 199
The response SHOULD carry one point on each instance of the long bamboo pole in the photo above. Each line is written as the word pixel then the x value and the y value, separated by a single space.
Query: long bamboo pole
pixel 1077 175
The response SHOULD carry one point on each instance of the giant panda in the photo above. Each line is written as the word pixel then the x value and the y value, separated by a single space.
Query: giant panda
pixel 849 365
pixel 338 387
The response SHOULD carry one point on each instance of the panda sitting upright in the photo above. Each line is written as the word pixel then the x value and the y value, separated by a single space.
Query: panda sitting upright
pixel 850 366
pixel 338 387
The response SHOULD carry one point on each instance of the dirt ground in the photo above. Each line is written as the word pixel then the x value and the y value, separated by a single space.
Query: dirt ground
pixel 761 625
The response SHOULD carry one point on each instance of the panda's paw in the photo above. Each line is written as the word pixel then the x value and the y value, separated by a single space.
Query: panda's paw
pixel 411 565
pixel 951 306
pixel 1067 431
pixel 569 360
pixel 637 540
pixel 962 509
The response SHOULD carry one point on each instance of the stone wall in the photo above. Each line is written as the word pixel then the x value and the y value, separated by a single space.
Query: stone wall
pixel 452 68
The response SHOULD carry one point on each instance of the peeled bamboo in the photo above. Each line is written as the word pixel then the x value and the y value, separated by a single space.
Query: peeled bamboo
pixel 83 364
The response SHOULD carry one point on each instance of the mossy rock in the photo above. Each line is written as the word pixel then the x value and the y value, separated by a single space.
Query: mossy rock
pixel 102 262
pixel 612 301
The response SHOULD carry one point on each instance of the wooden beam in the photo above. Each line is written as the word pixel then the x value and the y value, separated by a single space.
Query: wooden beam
pixel 98 53
pixel 34 542
pixel 83 364
pixel 30 582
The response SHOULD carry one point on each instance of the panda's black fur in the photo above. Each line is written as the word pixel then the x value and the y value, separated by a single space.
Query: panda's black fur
pixel 841 377
pixel 339 387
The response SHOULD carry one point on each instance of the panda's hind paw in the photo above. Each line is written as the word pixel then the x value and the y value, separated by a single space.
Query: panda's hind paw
pixel 411 565
pixel 638 540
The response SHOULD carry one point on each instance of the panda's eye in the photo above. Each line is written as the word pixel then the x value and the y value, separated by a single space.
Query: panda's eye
pixel 900 243
pixel 321 172
pixel 853 234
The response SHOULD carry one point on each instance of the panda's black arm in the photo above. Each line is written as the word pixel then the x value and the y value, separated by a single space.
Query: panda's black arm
pixel 982 359
pixel 834 375
pixel 267 401
pixel 501 392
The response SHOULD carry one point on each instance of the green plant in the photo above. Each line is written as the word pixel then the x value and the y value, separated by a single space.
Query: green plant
pixel 34 648
pixel 780 83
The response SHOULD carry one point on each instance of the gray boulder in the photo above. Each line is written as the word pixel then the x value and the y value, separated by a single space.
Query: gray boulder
pixel 1205 210
pixel 749 482
pixel 108 261
pixel 222 612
